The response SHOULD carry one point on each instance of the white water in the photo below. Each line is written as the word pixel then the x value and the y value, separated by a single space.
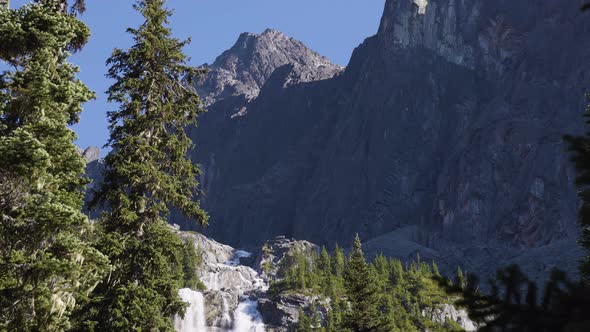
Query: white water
pixel 247 318
pixel 230 275
pixel 194 318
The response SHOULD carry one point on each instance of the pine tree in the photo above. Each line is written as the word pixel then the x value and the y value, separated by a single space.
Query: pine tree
pixel 304 322
pixel 435 270
pixel 460 279
pixel 338 261
pixel 191 260
pixel 580 148
pixel 147 173
pixel 47 262
pixel 362 291
pixel 324 270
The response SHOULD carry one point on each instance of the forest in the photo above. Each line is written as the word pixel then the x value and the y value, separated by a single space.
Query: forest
pixel 62 271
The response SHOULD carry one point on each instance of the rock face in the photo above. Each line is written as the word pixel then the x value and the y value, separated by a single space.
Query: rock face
pixel 244 69
pixel 449 120
pixel 446 312
pixel 276 252
pixel 228 284
pixel 281 311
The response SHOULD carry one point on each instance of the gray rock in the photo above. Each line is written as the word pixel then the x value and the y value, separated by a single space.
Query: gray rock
pixel 91 154
pixel 281 314
pixel 448 121
pixel 445 313
pixel 278 252
pixel 244 69
pixel 220 307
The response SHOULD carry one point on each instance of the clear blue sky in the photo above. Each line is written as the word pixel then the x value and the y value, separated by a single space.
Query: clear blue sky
pixel 331 27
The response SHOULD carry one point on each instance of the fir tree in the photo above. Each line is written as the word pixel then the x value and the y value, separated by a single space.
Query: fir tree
pixel 580 148
pixel 362 291
pixel 304 322
pixel 147 173
pixel 190 262
pixel 460 278
pixel 47 262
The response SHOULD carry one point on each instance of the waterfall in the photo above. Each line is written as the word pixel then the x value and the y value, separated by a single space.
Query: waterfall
pixel 247 318
pixel 228 279
pixel 194 318
pixel 226 318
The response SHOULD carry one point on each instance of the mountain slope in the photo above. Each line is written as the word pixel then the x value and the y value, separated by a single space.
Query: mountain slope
pixel 448 121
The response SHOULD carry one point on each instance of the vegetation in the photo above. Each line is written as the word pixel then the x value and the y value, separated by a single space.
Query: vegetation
pixel 515 304
pixel 62 272
pixel 48 264
pixel 147 173
pixel 580 148
pixel 379 296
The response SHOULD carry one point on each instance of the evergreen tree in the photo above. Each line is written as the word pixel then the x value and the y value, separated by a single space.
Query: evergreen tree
pixel 460 278
pixel 46 260
pixel 362 291
pixel 580 148
pixel 435 270
pixel 324 270
pixel 190 262
pixel 338 261
pixel 147 173
pixel 563 305
pixel 304 322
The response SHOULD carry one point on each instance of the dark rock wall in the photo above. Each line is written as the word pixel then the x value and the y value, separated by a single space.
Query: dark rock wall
pixel 450 121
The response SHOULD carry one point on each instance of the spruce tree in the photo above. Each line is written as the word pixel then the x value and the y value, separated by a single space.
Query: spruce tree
pixel 147 173
pixel 460 278
pixel 46 260
pixel 304 322
pixel 580 148
pixel 363 293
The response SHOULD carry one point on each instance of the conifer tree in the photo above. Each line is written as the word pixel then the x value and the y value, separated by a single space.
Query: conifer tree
pixel 304 322
pixel 362 291
pixel 580 148
pixel 460 278
pixel 338 261
pixel 324 270
pixel 147 173
pixel 47 264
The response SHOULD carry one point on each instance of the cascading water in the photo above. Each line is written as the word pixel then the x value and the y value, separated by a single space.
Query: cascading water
pixel 247 318
pixel 228 279
pixel 194 317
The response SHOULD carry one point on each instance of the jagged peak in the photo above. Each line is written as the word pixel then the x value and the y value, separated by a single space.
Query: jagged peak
pixel 249 63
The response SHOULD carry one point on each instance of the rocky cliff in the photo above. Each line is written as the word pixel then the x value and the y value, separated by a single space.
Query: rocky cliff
pixel 448 121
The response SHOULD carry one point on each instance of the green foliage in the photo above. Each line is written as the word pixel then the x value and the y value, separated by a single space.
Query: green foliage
pixel 515 305
pixel 147 173
pixel 46 258
pixel 304 323
pixel 378 296
pixel 363 293
pixel 191 260
pixel 460 279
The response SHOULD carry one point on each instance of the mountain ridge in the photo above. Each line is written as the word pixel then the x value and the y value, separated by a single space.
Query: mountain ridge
pixel 449 121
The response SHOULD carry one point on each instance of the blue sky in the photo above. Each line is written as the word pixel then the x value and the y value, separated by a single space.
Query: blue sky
pixel 331 27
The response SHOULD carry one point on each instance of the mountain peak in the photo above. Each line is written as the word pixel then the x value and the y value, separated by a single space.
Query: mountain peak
pixel 248 64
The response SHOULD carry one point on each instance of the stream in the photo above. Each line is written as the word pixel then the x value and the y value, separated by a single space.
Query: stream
pixel 232 283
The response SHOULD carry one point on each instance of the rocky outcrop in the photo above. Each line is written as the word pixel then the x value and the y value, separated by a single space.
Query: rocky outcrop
pixel 278 252
pixel 227 282
pixel 281 314
pixel 244 69
pixel 281 311
pixel 449 120
pixel 448 313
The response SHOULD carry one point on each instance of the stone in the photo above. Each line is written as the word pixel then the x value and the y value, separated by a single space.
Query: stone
pixel 450 122
pixel 91 154
pixel 447 312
